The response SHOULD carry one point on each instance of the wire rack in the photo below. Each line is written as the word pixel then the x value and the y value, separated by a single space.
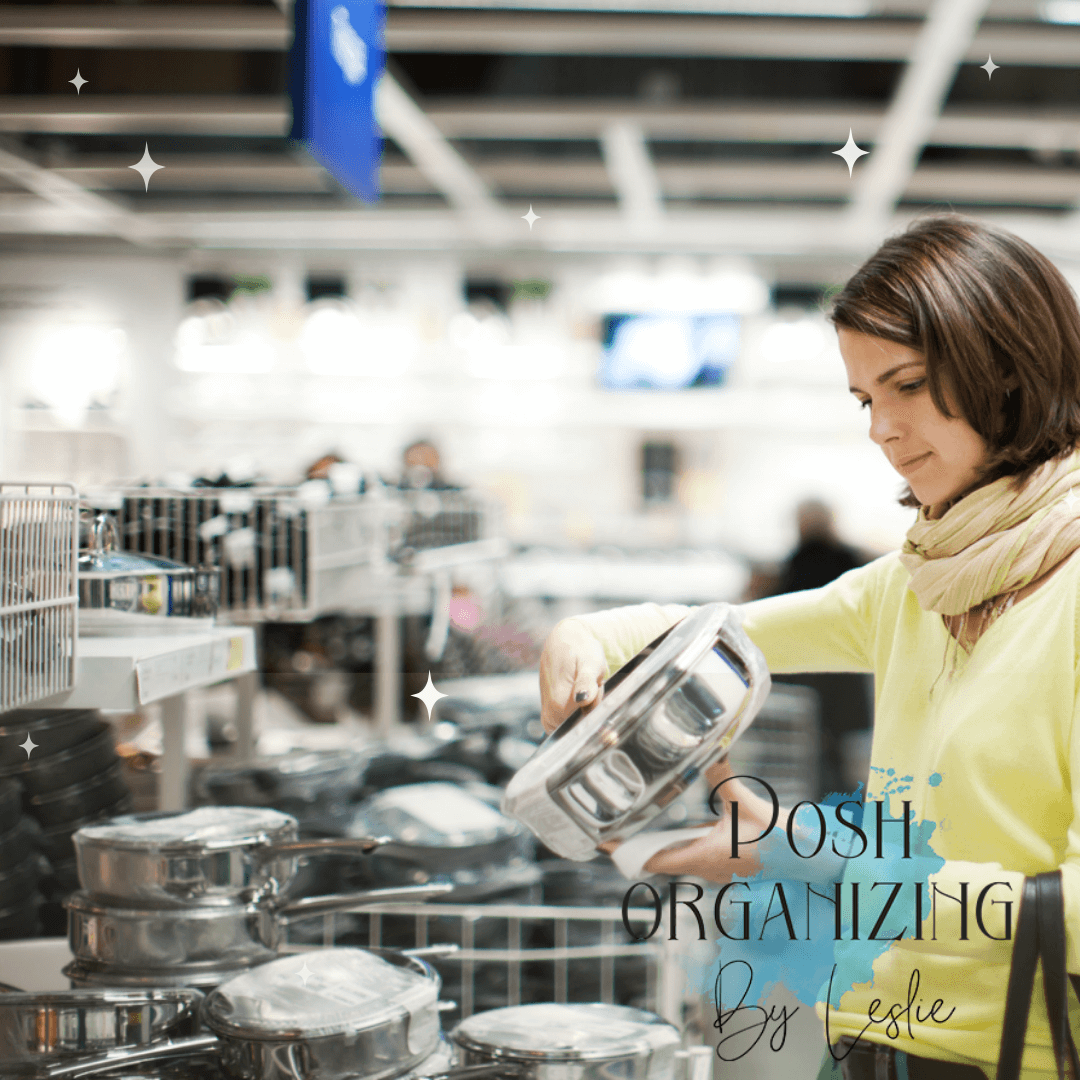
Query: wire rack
pixel 512 954
pixel 39 596
pixel 280 556
pixel 441 518
pixel 782 744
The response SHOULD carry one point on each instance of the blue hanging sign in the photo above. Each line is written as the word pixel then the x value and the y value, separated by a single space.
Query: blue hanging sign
pixel 336 59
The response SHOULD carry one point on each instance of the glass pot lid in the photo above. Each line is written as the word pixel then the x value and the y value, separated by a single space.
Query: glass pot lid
pixel 432 815
pixel 327 992
pixel 104 559
pixel 550 1032
pixel 206 826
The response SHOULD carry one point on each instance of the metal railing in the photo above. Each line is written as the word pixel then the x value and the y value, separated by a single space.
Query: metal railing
pixel 39 596
pixel 512 954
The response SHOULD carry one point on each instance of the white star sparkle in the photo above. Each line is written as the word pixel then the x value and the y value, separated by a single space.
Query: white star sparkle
pixel 78 82
pixel 146 167
pixel 29 745
pixel 429 695
pixel 305 973
pixel 850 152
pixel 989 67
pixel 530 217
pixel 1071 499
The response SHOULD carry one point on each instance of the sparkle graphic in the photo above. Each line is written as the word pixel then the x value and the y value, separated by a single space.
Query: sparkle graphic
pixel 989 67
pixel 305 973
pixel 1071 499
pixel 29 745
pixel 850 152
pixel 146 167
pixel 530 217
pixel 78 82
pixel 429 695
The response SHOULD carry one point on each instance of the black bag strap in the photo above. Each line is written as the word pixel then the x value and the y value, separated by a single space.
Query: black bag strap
pixel 1040 934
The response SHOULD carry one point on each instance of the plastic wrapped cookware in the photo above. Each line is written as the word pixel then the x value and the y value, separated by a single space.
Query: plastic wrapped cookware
pixel 571 1042
pixel 675 708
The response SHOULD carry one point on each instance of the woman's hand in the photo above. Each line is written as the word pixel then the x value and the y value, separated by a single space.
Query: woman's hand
pixel 572 672
pixel 709 856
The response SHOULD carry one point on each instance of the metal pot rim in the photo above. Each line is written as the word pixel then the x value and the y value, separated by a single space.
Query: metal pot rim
pixel 276 826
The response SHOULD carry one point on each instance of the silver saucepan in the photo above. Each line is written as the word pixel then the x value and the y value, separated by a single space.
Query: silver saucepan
pixel 41 1029
pixel 570 1042
pixel 214 854
pixel 146 938
pixel 328 1014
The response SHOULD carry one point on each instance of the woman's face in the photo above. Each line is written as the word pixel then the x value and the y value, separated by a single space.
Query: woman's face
pixel 938 457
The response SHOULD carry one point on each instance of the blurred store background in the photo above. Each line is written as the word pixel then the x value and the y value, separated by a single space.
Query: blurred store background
pixel 575 356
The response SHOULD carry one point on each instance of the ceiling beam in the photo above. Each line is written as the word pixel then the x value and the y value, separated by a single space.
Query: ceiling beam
pixel 630 167
pixel 523 177
pixel 946 34
pixel 539 32
pixel 422 142
pixel 1037 128
pixel 95 213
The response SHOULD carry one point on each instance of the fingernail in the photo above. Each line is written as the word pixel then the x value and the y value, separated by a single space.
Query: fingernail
pixel 581 695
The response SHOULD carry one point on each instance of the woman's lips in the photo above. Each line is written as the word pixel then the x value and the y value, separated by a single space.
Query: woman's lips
pixel 913 463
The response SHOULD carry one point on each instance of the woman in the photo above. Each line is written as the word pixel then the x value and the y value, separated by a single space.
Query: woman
pixel 964 344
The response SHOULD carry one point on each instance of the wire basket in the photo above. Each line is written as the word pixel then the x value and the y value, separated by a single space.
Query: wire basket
pixel 39 595
pixel 513 954
pixel 280 556
pixel 441 518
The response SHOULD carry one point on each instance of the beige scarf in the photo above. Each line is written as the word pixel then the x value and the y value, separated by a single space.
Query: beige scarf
pixel 995 541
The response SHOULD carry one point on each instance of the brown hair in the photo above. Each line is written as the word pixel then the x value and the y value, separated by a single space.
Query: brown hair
pixel 999 327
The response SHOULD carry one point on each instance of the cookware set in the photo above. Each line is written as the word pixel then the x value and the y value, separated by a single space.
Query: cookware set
pixel 193 897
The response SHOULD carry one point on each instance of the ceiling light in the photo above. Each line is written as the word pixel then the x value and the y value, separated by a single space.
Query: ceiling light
pixel 1061 11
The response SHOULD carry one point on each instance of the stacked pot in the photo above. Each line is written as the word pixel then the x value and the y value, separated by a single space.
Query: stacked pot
pixel 191 898
pixel 64 763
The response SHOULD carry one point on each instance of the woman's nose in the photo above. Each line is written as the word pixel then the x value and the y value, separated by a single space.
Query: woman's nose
pixel 884 424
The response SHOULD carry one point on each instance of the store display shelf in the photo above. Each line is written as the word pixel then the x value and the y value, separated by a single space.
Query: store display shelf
pixel 125 673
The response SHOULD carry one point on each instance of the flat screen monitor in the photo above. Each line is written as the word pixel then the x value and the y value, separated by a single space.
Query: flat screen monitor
pixel 668 351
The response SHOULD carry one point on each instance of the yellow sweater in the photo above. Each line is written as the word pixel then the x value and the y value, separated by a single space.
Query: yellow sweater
pixel 999 736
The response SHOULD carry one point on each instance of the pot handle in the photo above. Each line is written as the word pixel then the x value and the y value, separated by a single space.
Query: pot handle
pixel 299 848
pixel 359 901
pixel 134 1055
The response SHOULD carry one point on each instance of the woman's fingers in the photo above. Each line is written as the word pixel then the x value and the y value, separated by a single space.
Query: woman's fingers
pixel 708 857
pixel 572 673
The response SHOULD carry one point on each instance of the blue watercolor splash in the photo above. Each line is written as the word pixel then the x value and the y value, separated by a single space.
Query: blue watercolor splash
pixel 804 966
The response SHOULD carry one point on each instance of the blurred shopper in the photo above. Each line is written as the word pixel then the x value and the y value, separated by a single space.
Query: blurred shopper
pixel 845 699
pixel 422 468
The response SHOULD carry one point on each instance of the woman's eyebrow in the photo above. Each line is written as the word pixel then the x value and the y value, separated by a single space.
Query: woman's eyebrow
pixel 885 376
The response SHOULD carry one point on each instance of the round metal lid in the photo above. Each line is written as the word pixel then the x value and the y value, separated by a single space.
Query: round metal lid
pixel 327 992
pixel 432 815
pixel 208 826
pixel 550 1032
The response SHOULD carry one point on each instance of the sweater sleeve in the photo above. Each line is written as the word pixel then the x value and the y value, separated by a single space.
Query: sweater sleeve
pixel 826 629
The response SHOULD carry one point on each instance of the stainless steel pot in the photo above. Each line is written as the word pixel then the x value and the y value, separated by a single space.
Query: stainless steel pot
pixel 223 934
pixel 571 1042
pixel 220 854
pixel 124 582
pixel 40 1029
pixel 89 975
pixel 328 1014
pixel 672 710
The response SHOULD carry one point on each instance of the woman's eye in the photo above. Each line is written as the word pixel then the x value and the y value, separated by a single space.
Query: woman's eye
pixel 864 404
pixel 913 386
